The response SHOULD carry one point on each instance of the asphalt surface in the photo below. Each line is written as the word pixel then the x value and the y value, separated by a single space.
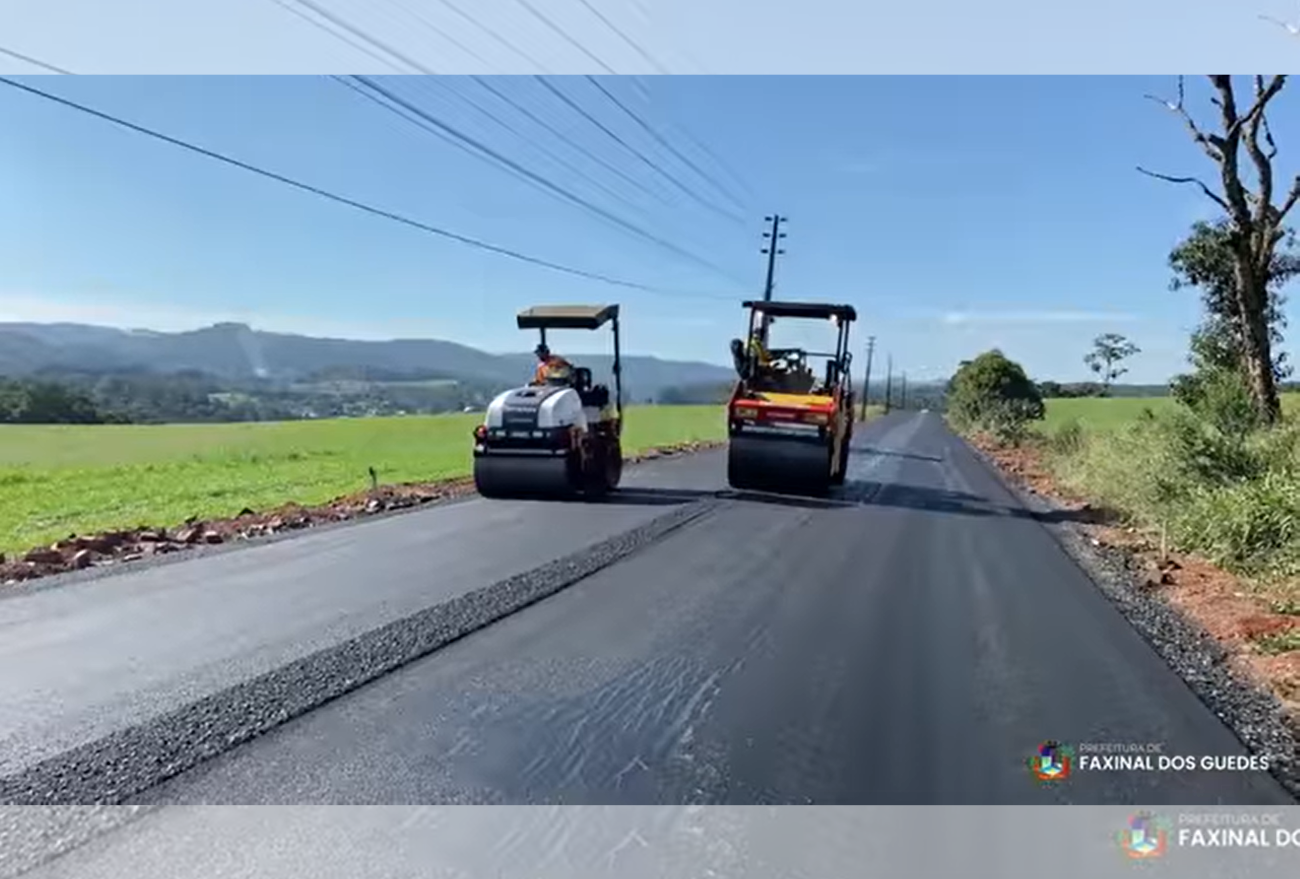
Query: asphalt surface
pixel 908 643
pixel 84 659
pixel 657 842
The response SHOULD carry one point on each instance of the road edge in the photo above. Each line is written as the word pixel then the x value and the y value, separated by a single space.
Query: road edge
pixel 445 493
pixel 132 760
pixel 1253 715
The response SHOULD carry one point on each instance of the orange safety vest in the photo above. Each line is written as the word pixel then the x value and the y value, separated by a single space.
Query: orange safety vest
pixel 552 366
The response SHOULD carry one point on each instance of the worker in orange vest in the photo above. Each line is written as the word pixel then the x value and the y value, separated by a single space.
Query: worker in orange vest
pixel 551 368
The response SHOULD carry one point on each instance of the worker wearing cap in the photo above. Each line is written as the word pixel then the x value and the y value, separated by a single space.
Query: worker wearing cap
pixel 551 367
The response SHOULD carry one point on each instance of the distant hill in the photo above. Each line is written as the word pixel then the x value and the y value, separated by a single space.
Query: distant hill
pixel 238 353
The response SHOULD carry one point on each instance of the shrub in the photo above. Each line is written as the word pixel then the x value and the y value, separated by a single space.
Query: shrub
pixel 993 394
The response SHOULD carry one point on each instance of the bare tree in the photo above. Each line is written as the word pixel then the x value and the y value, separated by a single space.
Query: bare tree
pixel 1256 223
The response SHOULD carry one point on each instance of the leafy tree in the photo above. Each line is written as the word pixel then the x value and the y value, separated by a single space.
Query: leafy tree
pixel 1255 224
pixel 993 393
pixel 1050 389
pixel 1204 261
pixel 44 402
pixel 1108 351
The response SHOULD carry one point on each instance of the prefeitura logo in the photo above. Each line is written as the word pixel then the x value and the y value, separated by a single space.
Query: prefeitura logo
pixel 1052 761
pixel 1146 836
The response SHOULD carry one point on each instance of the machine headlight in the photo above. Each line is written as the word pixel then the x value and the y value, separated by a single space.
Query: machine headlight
pixel 746 412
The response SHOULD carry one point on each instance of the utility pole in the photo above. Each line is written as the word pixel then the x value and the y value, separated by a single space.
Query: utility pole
pixel 866 383
pixel 889 381
pixel 772 250
pixel 903 404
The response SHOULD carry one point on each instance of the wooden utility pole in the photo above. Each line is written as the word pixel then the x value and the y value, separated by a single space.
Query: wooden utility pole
pixel 772 251
pixel 866 382
pixel 889 382
pixel 903 394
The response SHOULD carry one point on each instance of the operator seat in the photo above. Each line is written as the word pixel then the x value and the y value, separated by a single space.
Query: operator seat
pixel 593 396
pixel 739 358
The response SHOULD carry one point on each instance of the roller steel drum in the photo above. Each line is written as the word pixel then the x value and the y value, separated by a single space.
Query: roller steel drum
pixel 524 476
pixel 769 463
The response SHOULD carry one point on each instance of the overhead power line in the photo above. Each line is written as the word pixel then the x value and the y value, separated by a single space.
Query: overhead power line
pixel 358 33
pixel 636 47
pixel 350 40
pixel 35 62
pixel 542 181
pixel 578 108
pixel 433 26
pixel 567 37
pixel 643 92
pixel 664 142
pixel 725 166
pixel 500 40
pixel 361 206
pixel 354 34
pixel 459 139
pixel 533 144
pixel 485 83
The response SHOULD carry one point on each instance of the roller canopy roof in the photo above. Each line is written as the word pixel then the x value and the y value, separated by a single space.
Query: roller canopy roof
pixel 813 310
pixel 567 317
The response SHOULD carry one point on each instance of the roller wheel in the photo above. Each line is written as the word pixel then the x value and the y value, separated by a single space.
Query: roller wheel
pixel 605 468
pixel 843 473
pixel 614 465
pixel 739 471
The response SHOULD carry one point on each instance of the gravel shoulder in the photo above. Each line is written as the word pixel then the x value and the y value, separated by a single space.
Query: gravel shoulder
pixel 1127 572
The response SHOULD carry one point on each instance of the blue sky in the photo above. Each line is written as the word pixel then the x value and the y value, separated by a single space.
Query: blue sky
pixel 957 214
pixel 683 36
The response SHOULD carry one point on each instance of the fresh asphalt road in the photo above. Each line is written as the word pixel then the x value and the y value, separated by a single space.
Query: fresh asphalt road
pixel 80 660
pixel 910 645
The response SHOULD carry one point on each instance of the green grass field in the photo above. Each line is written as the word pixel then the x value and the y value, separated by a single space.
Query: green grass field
pixel 1099 413
pixel 1102 413
pixel 57 480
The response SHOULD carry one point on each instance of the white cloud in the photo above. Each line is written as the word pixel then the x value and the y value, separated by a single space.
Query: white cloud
pixel 959 318
pixel 29 308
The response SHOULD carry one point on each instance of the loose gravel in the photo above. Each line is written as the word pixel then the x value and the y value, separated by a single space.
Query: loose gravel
pixel 1254 715
pixel 130 761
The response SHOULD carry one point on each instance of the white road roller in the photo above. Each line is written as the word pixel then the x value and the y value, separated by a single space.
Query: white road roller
pixel 559 436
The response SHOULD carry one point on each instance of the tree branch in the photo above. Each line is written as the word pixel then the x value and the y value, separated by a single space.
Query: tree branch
pixel 1265 93
pixel 1268 139
pixel 1263 167
pixel 1207 190
pixel 1234 192
pixel 1291 198
pixel 1212 144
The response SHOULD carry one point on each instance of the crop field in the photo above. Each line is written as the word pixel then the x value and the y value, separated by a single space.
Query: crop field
pixel 1103 413
pixel 58 480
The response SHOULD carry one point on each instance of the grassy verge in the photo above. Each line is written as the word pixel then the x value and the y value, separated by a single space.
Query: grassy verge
pixel 59 480
pixel 1236 504
pixel 1214 521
